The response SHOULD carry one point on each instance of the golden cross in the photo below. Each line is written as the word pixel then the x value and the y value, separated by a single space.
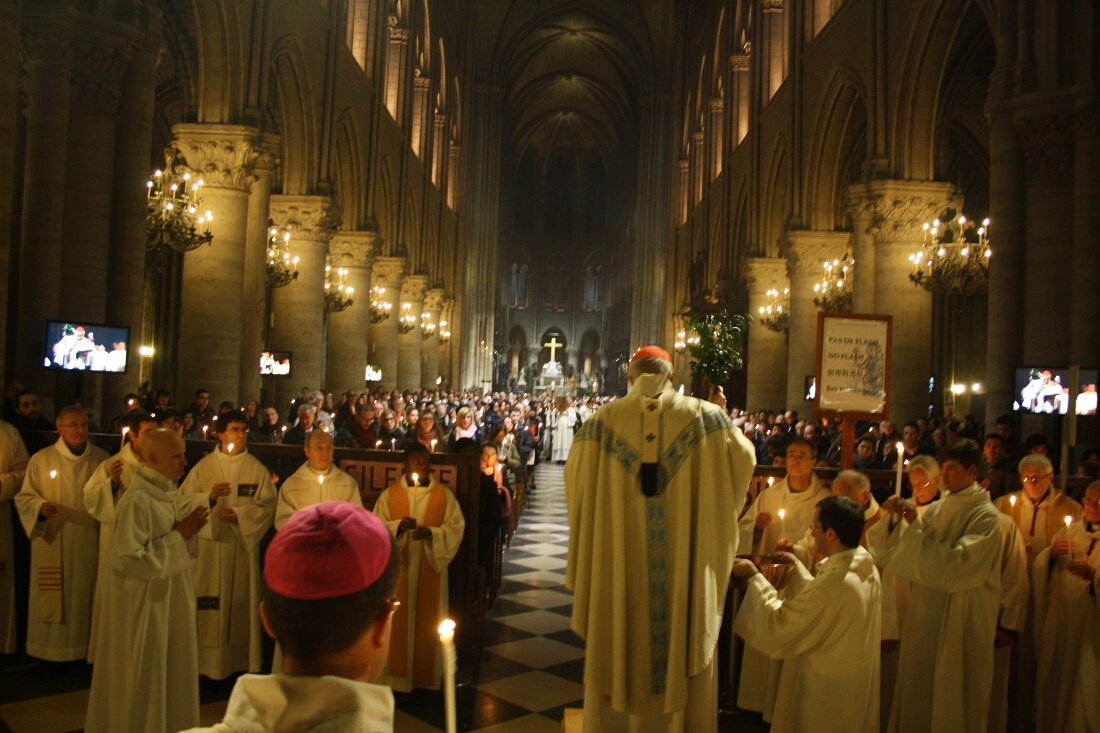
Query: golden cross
pixel 553 346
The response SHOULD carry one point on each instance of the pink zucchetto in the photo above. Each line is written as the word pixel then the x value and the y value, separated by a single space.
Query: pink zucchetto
pixel 651 352
pixel 327 550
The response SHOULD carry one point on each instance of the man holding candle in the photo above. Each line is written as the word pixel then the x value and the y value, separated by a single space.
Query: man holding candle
pixel 13 465
pixel 330 576
pixel 64 539
pixel 317 480
pixel 426 521
pixel 241 497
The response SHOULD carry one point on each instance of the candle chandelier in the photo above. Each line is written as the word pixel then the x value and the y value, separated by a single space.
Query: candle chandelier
pixel 776 314
pixel 380 308
pixel 282 268
pixel 407 321
pixel 954 258
pixel 427 326
pixel 174 220
pixel 833 294
pixel 444 333
pixel 337 291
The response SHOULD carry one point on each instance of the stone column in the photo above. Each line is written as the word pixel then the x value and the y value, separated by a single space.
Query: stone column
pixel 298 310
pixel 430 348
pixel 211 307
pixel 766 363
pixel 860 205
pixel 1085 301
pixel 740 95
pixel 47 35
pixel 387 273
pixel 409 343
pixel 422 86
pixel 775 46
pixel 446 353
pixel 346 337
pixel 808 253
pixel 10 63
pixel 898 210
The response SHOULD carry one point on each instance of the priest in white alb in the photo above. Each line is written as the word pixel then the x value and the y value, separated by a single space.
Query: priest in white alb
pixel 316 480
pixel 826 628
pixel 146 674
pixel 241 497
pixel 64 541
pixel 426 522
pixel 951 554
pixel 654 485
pixel 13 465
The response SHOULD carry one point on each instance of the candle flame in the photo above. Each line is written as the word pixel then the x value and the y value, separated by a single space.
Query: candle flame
pixel 1012 500
pixel 782 513
pixel 53 474
pixel 229 449
pixel 1069 520
pixel 446 629
pixel 415 478
pixel 901 446
pixel 321 480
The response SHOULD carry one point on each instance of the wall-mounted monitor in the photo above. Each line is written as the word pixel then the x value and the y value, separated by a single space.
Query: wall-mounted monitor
pixel 275 363
pixel 86 347
pixel 1045 390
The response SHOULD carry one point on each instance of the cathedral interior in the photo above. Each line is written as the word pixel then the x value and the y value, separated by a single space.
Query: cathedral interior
pixel 417 193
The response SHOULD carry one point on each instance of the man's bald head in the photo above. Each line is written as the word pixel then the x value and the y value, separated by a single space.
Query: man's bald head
pixel 854 485
pixel 165 453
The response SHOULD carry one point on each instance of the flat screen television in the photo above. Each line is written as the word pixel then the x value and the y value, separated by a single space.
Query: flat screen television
pixel 811 388
pixel 275 363
pixel 1044 390
pixel 81 346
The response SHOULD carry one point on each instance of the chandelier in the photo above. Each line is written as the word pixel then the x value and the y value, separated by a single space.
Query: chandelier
pixel 834 293
pixel 172 203
pixel 337 293
pixel 776 315
pixel 427 326
pixel 954 258
pixel 684 340
pixel 407 321
pixel 380 308
pixel 282 269
pixel 444 334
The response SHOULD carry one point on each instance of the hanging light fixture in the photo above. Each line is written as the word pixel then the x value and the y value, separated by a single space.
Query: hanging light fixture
pixel 407 321
pixel 954 257
pixel 776 314
pixel 380 308
pixel 174 220
pixel 427 325
pixel 444 333
pixel 282 268
pixel 337 291
pixel 833 294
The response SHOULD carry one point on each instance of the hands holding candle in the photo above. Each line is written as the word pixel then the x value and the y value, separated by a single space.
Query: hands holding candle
pixel 897 480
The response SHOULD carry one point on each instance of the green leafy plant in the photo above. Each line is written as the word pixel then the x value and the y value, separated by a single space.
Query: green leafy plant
pixel 721 346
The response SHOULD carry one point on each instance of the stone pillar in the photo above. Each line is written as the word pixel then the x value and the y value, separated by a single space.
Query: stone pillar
pixel 740 95
pixel 430 349
pixel 10 63
pixel 766 363
pixel 409 343
pixel 446 353
pixel 775 48
pixel 422 87
pixel 898 209
pixel 860 204
pixel 346 332
pixel 717 136
pixel 47 35
pixel 387 273
pixel 808 253
pixel 211 307
pixel 396 65
pixel 298 316
pixel 1085 301
pixel 439 148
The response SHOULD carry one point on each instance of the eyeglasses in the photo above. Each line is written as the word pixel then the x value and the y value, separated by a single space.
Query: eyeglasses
pixel 73 425
pixel 1034 479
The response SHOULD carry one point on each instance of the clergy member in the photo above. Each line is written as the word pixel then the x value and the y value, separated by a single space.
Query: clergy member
pixel 654 483
pixel 146 675
pixel 101 493
pixel 64 540
pixel 242 499
pixel 952 556
pixel 424 517
pixel 13 465
pixel 762 527
pixel 330 576
pixel 315 481
pixel 827 629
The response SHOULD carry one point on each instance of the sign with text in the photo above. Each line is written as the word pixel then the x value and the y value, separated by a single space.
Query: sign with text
pixel 853 365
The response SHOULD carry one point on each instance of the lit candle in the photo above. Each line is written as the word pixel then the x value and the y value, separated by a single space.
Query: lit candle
pixel 229 449
pixel 378 444
pixel 393 443
pixel 1069 542
pixel 771 480
pixel 782 522
pixel 897 479
pixel 415 479
pixel 434 441
pixel 124 431
pixel 53 474
pixel 1012 500
pixel 447 639
pixel 321 480
pixel 204 429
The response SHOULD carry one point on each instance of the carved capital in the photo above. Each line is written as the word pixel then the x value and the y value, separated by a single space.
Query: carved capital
pixel 268 156
pixel 352 249
pixel 399 35
pixel 740 62
pixel 47 32
pixel 222 154
pixel 896 210
pixel 771 6
pixel 717 105
pixel 413 288
pixel 98 64
pixel 1048 145
pixel 765 273
pixel 389 272
pixel 433 300
pixel 810 250
pixel 422 83
pixel 313 218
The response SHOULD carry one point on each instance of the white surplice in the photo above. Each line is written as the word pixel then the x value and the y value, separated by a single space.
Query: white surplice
pixel 305 488
pixel 146 674
pixel 827 632
pixel 563 434
pixel 227 573
pixel 59 625
pixel 13 465
pixel 650 574
pixel 1015 594
pixel 952 556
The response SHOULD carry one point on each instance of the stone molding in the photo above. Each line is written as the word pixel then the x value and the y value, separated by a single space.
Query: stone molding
pixel 388 272
pixel 223 155
pixel 313 218
pixel 740 62
pixel 413 289
pixel 433 300
pixel 48 32
pixel 1048 145
pixel 896 210
pixel 717 104
pixel 809 250
pixel 352 249
pixel 99 64
pixel 268 157
pixel 421 83
pixel 771 6
pixel 766 273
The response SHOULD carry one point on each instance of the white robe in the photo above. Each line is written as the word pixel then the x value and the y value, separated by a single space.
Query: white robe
pixel 563 434
pixel 827 631
pixel 302 489
pixel 146 675
pixel 952 556
pixel 100 499
pixel 758 682
pixel 283 703
pixel 438 552
pixel 650 574
pixel 1015 592
pixel 1067 617
pixel 13 465
pixel 227 573
pixel 72 533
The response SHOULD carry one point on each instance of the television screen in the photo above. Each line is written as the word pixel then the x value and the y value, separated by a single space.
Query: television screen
pixel 811 388
pixel 86 347
pixel 1044 390
pixel 275 363
pixel 373 373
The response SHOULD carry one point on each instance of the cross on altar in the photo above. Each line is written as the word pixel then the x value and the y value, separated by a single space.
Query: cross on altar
pixel 553 345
